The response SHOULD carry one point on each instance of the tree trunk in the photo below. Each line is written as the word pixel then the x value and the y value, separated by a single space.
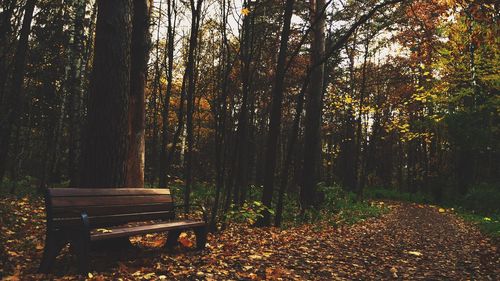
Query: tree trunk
pixel 359 129
pixel 76 92
pixel 139 63
pixel 241 150
pixel 275 118
pixel 168 94
pixel 312 136
pixel 13 105
pixel 106 142
pixel 5 34
pixel 221 113
pixel 290 152
pixel 193 42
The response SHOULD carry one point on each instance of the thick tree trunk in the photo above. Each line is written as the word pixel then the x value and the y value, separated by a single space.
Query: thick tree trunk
pixel 275 118
pixel 139 63
pixel 106 141
pixel 312 136
pixel 13 106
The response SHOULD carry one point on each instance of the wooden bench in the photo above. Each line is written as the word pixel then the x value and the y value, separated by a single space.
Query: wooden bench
pixel 82 215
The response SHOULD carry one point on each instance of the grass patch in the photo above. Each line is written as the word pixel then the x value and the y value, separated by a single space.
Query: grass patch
pixel 489 225
pixel 341 207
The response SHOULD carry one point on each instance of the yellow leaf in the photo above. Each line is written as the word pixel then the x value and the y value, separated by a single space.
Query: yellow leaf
pixel 255 257
pixel 245 11
pixel 104 230
pixel 90 275
pixel 415 253
pixel 441 210
pixel 487 219
pixel 12 253
pixel 149 275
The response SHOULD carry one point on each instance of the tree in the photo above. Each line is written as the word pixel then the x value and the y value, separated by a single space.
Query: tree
pixel 106 139
pixel 76 91
pixel 313 107
pixel 190 71
pixel 13 105
pixel 168 94
pixel 139 64
pixel 275 118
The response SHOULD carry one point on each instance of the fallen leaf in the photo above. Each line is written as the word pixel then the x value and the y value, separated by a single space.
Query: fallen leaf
pixel 415 253
pixel 185 241
pixel 148 275
pixel 104 230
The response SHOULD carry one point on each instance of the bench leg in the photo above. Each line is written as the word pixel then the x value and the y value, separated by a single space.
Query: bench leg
pixel 53 245
pixel 172 237
pixel 201 237
pixel 82 247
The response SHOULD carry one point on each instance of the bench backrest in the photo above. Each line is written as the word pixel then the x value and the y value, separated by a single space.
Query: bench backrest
pixel 107 206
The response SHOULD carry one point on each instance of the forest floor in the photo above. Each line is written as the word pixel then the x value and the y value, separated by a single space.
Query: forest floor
pixel 410 242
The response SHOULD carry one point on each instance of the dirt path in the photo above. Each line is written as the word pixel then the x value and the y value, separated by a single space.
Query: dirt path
pixel 411 242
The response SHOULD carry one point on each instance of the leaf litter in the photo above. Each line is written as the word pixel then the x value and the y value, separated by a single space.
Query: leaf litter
pixel 410 242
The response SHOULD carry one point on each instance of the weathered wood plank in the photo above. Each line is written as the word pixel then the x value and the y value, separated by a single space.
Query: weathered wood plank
pixel 109 200
pixel 144 229
pixel 67 192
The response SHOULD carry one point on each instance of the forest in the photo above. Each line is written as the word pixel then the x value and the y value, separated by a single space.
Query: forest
pixel 312 132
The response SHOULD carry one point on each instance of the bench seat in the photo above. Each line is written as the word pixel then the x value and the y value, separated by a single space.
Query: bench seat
pixel 126 231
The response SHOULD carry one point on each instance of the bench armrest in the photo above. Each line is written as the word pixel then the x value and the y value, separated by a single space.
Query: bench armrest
pixel 201 207
pixel 85 224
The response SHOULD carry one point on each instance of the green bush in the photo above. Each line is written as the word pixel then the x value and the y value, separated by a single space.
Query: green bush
pixel 248 212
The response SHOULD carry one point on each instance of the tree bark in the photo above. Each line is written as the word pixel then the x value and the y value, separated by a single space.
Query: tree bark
pixel 138 76
pixel 290 152
pixel 193 42
pixel 220 117
pixel 275 118
pixel 106 142
pixel 13 105
pixel 168 94
pixel 76 92
pixel 312 140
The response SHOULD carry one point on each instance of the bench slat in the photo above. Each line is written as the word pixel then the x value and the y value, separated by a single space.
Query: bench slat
pixel 92 211
pixel 143 229
pixel 77 192
pixel 109 200
pixel 110 220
